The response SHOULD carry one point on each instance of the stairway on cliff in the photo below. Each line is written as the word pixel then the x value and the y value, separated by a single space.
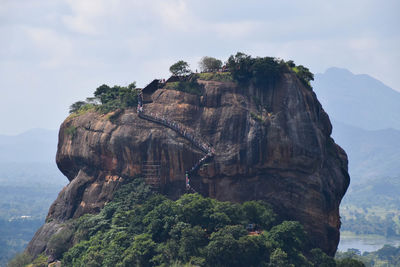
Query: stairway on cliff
pixel 150 171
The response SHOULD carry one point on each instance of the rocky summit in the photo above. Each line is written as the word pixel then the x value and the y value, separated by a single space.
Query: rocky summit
pixel 269 143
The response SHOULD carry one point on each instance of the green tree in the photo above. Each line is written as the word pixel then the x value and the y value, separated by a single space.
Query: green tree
pixel 320 259
pixel 19 260
pixel 252 250
pixel 161 219
pixel 349 263
pixel 240 67
pixel 289 235
pixel 76 106
pixel 260 71
pixel 279 258
pixel 140 252
pixel 180 68
pixel 60 242
pixel 222 250
pixel 259 213
pixel 195 209
pixel 191 243
pixel 210 64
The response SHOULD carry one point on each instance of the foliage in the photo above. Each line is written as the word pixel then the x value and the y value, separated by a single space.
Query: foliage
pixel 189 86
pixel 57 243
pixel 264 71
pixel 71 131
pixel 180 68
pixel 40 261
pixel 371 220
pixel 210 64
pixel 386 256
pixel 116 97
pixel 303 73
pixel 107 99
pixel 141 228
pixel 349 263
pixel 83 109
pixel 76 106
pixel 260 71
pixel 19 260
pixel 319 258
pixel 215 76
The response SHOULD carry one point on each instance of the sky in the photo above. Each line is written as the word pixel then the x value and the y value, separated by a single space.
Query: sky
pixel 56 52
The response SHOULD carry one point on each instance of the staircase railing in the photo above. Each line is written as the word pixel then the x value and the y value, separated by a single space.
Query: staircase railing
pixel 185 132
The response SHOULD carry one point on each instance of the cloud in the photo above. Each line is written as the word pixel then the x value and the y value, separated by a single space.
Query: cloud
pixel 71 46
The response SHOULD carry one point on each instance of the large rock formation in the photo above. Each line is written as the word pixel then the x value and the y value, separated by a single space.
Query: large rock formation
pixel 272 144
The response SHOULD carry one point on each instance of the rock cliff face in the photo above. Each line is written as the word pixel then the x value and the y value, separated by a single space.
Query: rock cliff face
pixel 272 144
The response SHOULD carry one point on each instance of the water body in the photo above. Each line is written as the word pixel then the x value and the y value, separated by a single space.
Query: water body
pixel 365 243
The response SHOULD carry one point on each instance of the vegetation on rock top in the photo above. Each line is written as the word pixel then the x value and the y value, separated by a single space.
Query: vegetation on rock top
pixel 107 99
pixel 240 68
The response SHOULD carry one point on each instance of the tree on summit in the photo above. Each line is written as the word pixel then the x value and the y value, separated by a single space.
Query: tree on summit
pixel 210 64
pixel 180 68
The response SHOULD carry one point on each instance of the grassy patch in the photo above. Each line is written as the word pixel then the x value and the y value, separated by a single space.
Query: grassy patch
pixel 83 110
pixel 216 76
pixel 71 131
pixel 191 87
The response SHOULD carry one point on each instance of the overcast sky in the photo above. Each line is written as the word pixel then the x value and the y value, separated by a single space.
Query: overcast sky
pixel 55 52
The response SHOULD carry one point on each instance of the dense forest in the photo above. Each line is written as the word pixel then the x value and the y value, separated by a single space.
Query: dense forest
pixel 143 228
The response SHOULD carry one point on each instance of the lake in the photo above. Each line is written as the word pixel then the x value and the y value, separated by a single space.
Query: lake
pixel 365 243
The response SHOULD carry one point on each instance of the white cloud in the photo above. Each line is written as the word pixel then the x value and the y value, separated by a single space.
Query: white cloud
pixel 79 44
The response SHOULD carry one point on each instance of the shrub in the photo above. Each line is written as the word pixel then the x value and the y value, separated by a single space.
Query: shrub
pixel 19 260
pixel 58 243
pixel 115 97
pixel 349 263
pixel 180 68
pixel 76 106
pixel 260 71
pixel 303 73
pixel 191 87
pixel 215 76
pixel 210 64
pixel 71 131
pixel 107 99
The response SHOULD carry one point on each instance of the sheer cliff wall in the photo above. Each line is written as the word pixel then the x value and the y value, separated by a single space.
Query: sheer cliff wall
pixel 270 144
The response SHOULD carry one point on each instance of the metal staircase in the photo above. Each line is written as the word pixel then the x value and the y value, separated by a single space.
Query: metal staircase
pixel 150 171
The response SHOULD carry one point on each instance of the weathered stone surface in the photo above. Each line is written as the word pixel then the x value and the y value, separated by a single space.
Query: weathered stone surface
pixel 272 144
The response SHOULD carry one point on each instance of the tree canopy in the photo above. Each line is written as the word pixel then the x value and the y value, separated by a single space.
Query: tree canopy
pixel 210 64
pixel 260 71
pixel 180 68
pixel 108 98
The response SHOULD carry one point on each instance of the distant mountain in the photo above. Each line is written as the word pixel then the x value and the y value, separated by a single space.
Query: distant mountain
pixel 358 100
pixel 372 154
pixel 36 145
pixel 365 115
